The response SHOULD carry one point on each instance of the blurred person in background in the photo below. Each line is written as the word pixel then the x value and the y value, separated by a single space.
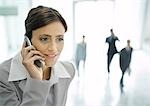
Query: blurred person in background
pixel 80 53
pixel 125 60
pixel 112 50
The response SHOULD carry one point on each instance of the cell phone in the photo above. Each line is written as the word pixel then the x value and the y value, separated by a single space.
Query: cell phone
pixel 38 62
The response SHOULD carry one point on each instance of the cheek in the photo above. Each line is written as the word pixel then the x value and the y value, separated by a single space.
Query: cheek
pixel 60 47
pixel 40 48
pixel 45 47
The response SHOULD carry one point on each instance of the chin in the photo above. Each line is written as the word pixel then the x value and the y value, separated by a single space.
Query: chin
pixel 50 64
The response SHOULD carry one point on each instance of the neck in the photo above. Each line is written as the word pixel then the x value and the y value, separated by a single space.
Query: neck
pixel 47 73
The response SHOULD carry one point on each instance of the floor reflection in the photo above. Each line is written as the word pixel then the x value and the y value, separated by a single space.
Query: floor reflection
pixel 95 87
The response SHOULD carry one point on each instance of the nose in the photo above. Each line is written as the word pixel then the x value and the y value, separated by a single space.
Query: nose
pixel 52 46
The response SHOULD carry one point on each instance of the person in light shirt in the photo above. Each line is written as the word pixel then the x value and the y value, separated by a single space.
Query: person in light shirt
pixel 24 83
pixel 81 53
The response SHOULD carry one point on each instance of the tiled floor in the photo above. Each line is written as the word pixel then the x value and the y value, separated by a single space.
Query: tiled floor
pixel 95 88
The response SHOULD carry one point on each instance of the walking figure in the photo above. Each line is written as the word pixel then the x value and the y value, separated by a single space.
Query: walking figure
pixel 112 50
pixel 81 53
pixel 125 60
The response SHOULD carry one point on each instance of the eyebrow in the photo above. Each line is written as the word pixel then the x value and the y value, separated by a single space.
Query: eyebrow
pixel 51 35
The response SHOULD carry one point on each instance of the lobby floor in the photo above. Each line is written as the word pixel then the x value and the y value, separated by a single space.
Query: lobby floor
pixel 94 87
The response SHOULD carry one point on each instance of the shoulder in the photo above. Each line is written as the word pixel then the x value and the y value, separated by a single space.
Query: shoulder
pixel 122 50
pixel 115 37
pixel 4 70
pixel 69 66
pixel 107 38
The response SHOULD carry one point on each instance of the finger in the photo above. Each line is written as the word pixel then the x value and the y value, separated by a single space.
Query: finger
pixel 35 52
pixel 40 63
pixel 30 61
pixel 29 48
pixel 25 51
pixel 37 57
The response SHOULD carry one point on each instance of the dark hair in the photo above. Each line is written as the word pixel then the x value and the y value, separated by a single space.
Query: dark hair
pixel 111 30
pixel 128 41
pixel 41 16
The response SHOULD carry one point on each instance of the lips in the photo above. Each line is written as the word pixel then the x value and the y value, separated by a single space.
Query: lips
pixel 51 55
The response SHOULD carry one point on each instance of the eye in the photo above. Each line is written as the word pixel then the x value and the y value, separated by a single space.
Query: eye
pixel 44 39
pixel 60 39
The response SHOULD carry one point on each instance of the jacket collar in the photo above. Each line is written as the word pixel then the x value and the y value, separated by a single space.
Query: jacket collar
pixel 19 72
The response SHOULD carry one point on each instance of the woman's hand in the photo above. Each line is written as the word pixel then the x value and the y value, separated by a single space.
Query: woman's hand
pixel 29 55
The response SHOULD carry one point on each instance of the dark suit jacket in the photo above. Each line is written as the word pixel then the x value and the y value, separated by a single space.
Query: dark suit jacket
pixel 125 58
pixel 112 47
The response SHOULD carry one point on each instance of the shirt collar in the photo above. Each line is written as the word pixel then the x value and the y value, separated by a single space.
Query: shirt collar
pixel 19 72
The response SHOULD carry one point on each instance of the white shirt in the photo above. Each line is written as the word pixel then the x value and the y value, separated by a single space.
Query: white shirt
pixel 19 72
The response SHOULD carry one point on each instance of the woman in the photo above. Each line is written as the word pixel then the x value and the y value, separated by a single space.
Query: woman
pixel 22 82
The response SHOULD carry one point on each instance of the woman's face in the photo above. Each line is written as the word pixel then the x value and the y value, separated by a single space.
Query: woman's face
pixel 49 40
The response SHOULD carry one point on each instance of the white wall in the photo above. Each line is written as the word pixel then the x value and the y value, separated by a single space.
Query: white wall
pixel 146 28
pixel 12 28
pixel 129 16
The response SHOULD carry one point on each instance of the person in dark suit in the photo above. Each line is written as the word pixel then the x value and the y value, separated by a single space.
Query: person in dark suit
pixel 125 60
pixel 112 50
